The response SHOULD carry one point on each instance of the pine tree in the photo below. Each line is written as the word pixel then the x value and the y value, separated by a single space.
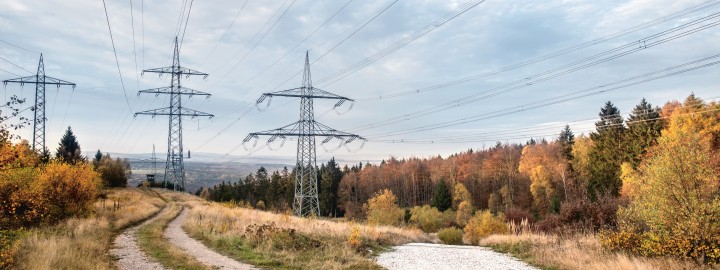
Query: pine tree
pixel 98 157
pixel 644 126
pixel 330 177
pixel 68 150
pixel 606 155
pixel 441 198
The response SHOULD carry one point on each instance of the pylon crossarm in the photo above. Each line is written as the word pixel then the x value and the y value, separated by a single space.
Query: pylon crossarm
pixel 298 92
pixel 169 90
pixel 34 80
pixel 167 111
pixel 176 70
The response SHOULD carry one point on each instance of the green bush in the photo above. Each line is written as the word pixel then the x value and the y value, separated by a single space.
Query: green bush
pixel 451 236
pixel 427 218
pixel 484 224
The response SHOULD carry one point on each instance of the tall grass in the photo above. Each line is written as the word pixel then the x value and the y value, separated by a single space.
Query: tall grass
pixel 82 243
pixel 283 241
pixel 577 251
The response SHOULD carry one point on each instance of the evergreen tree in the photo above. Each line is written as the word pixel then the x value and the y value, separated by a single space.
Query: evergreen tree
pixel 68 150
pixel 98 157
pixel 441 198
pixel 566 139
pixel 644 126
pixel 606 155
pixel 330 178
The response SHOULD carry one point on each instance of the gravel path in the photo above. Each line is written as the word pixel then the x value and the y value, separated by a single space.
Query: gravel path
pixel 434 256
pixel 129 255
pixel 175 234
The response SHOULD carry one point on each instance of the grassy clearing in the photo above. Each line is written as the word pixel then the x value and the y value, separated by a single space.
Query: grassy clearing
pixel 582 251
pixel 151 241
pixel 281 241
pixel 82 243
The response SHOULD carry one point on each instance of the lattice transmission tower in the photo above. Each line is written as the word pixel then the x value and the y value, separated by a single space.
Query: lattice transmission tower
pixel 174 166
pixel 306 129
pixel 40 80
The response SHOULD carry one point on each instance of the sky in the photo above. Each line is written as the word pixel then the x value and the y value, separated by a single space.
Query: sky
pixel 485 69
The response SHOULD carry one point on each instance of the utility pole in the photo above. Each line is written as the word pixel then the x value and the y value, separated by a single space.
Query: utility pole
pixel 40 80
pixel 174 166
pixel 306 129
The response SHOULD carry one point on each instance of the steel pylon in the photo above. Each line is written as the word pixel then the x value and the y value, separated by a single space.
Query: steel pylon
pixel 306 201
pixel 40 80
pixel 174 166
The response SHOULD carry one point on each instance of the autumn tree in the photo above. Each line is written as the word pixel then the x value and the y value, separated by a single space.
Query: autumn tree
pixel 68 150
pixel 382 209
pixel 606 155
pixel 11 119
pixel 461 194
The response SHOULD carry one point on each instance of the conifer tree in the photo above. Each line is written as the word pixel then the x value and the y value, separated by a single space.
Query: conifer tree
pixel 606 155
pixel 441 198
pixel 330 178
pixel 644 126
pixel 68 150
pixel 566 139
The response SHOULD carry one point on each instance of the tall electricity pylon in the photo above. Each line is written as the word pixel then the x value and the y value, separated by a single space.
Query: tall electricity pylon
pixel 40 80
pixel 306 129
pixel 174 167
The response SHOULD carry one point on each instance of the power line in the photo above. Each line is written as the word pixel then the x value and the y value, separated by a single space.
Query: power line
pixel 225 32
pixel 3 58
pixel 256 43
pixel 16 46
pixel 632 47
pixel 299 43
pixel 400 43
pixel 127 101
pixel 663 19
pixel 132 23
pixel 667 72
pixel 186 23
pixel 343 40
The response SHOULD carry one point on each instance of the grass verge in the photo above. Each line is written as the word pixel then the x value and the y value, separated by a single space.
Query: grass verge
pixel 151 241
pixel 285 242
pixel 581 251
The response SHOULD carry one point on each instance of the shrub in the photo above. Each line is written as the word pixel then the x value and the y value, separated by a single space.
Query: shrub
pixel 68 189
pixel 427 218
pixel 382 209
pixel 260 205
pixel 114 172
pixel 517 215
pixel 451 236
pixel 484 224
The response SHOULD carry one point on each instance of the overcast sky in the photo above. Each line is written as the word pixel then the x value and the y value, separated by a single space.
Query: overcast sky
pixel 492 36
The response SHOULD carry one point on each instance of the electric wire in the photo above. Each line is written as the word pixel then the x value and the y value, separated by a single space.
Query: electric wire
pixel 227 29
pixel 187 18
pixel 612 54
pixel 667 72
pixel 132 23
pixel 332 78
pixel 127 101
pixel 3 58
pixel 660 20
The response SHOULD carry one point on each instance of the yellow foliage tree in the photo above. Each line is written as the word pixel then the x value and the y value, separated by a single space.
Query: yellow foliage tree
pixel 428 218
pixel 675 193
pixel 461 194
pixel 581 158
pixel 383 210
pixel 463 214
pixel 68 189
pixel 541 188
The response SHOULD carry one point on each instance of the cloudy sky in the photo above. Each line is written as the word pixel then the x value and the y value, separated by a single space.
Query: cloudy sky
pixel 467 83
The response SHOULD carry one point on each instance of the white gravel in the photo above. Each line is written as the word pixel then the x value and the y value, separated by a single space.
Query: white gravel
pixel 129 255
pixel 435 256
pixel 176 236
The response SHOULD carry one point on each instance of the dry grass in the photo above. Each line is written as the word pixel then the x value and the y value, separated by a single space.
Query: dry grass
pixel 582 251
pixel 294 242
pixel 82 243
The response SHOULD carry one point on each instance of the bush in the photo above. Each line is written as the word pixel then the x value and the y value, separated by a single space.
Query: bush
pixel 484 224
pixel 517 215
pixel 427 218
pixel 451 236
pixel 114 172
pixel 382 209
pixel 31 197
